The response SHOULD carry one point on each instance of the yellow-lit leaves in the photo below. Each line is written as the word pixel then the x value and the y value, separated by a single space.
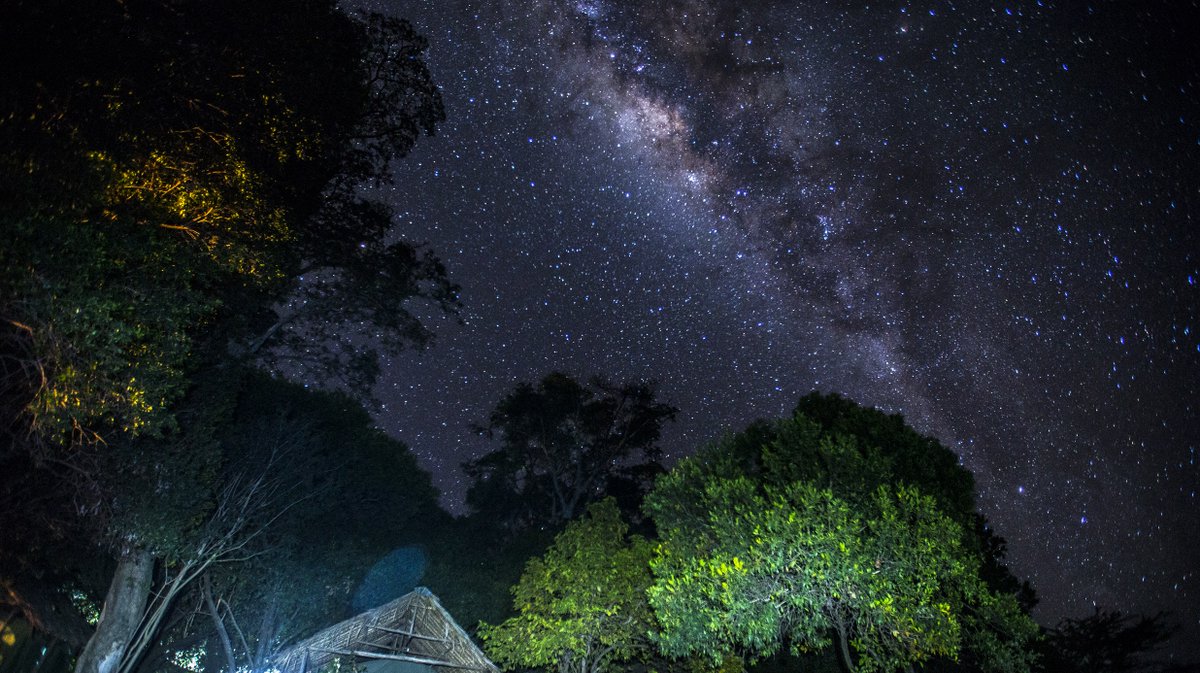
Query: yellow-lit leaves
pixel 201 191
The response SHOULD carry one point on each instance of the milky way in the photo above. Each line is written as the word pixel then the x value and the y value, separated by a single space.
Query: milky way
pixel 981 218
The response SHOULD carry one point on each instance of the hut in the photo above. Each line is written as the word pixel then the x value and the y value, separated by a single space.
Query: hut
pixel 412 634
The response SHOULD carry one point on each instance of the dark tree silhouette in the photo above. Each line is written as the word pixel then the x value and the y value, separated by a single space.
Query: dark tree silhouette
pixel 1106 642
pixel 560 443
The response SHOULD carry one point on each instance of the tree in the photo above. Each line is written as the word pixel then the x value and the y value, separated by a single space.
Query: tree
pixel 560 442
pixel 581 607
pixel 1105 642
pixel 181 188
pixel 890 447
pixel 477 587
pixel 789 534
pixel 244 509
pixel 363 493
pixel 174 173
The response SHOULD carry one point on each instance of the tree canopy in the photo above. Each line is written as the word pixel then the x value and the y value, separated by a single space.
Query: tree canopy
pixel 795 534
pixel 183 200
pixel 1106 642
pixel 182 178
pixel 561 444
pixel 581 607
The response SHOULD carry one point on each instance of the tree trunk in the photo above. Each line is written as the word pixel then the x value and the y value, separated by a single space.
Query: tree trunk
pixel 219 624
pixel 124 607
pixel 844 645
pixel 267 629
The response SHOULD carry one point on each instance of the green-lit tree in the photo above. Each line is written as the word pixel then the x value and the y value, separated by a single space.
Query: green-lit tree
pixel 792 535
pixel 581 607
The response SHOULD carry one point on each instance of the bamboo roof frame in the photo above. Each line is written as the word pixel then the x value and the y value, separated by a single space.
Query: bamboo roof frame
pixel 414 627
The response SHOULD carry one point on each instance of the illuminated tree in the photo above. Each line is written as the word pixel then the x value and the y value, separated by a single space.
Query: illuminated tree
pixel 581 607
pixel 788 535
pixel 183 183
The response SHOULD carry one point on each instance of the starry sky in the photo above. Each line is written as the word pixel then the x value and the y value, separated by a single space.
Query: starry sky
pixel 982 216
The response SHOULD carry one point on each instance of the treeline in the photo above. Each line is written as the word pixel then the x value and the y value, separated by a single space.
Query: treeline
pixel 837 539
pixel 837 531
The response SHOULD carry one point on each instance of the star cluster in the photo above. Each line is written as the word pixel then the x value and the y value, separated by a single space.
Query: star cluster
pixel 981 217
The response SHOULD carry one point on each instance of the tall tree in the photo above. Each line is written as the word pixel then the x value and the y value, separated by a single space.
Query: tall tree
pixel 181 188
pixel 174 173
pixel 251 498
pixel 788 534
pixel 560 443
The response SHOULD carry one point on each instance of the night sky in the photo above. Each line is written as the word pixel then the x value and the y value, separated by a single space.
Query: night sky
pixel 983 217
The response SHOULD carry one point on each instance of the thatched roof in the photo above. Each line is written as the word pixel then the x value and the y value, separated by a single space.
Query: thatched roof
pixel 414 628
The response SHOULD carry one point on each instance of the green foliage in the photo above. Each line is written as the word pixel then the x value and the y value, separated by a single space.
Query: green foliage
pixel 181 188
pixel 801 565
pixel 168 176
pixel 791 534
pixel 581 607
pixel 897 451
pixel 110 350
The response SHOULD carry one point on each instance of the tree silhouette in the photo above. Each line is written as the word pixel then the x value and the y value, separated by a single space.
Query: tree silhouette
pixel 1105 642
pixel 561 441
